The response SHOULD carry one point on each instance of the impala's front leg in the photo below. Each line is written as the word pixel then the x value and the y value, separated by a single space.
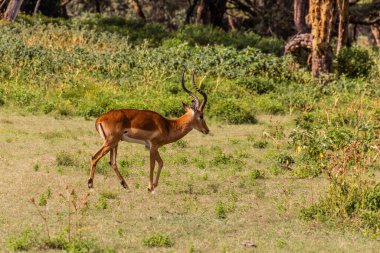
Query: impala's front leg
pixel 153 154
pixel 160 164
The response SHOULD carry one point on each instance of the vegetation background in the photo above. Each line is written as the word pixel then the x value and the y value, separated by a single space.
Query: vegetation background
pixel 292 164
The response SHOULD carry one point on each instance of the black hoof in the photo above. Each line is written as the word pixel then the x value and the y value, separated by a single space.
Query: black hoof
pixel 124 184
pixel 90 183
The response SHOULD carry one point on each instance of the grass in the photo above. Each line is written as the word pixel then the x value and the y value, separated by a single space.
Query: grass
pixel 216 201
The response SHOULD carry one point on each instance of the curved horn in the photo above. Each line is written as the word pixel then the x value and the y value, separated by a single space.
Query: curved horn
pixel 196 100
pixel 202 106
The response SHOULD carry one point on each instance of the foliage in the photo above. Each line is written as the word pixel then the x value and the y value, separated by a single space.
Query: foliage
pixel 86 70
pixel 209 35
pixel 232 112
pixel 77 244
pixel 157 240
pixel 221 210
pixel 65 159
pixel 354 62
pixel 23 241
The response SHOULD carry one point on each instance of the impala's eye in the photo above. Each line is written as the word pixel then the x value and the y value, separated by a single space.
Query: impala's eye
pixel 201 117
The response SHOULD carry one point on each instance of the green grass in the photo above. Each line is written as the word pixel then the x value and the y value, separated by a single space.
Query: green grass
pixel 218 205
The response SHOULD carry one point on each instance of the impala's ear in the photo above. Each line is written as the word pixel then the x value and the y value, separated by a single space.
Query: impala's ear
pixel 186 107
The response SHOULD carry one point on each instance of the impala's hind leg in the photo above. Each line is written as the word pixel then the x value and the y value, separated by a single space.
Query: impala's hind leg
pixel 153 157
pixel 160 164
pixel 102 151
pixel 113 155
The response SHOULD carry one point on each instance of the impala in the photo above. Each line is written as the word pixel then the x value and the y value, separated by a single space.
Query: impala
pixel 148 128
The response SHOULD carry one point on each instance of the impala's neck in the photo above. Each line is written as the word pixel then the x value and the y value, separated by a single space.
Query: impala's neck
pixel 180 127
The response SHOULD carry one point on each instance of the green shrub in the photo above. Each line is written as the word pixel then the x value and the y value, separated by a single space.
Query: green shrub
pixel 371 222
pixel 223 160
pixel 135 31
pixel 23 96
pixel 260 144
pixel 307 170
pixel 284 160
pixel 158 240
pixel 232 112
pixel 200 164
pixel 354 62
pixel 209 35
pixel 312 212
pixel 23 241
pixel 269 103
pixel 65 159
pixel 108 195
pixel 103 167
pixel 372 199
pixel 36 167
pixel 254 175
pixel 2 97
pixel 76 244
pixel 351 196
pixel 102 203
pixel 221 210
pixel 181 144
pixel 258 84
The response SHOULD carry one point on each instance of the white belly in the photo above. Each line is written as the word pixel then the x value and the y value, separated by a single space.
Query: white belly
pixel 129 139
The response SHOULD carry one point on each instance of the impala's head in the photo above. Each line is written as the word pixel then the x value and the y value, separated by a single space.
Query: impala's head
pixel 196 108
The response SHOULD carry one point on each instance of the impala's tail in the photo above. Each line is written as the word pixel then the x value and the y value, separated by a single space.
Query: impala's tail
pixel 100 130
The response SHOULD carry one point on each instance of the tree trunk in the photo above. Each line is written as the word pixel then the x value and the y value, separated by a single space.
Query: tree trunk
pixel 202 13
pixel 217 8
pixel 138 9
pixel 97 6
pixel 343 24
pixel 300 11
pixel 2 3
pixel 190 11
pixel 13 9
pixel 211 11
pixel 376 33
pixel 36 6
pixel 231 23
pixel 63 5
pixel 321 17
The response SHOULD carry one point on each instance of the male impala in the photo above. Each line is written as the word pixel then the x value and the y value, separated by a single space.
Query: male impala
pixel 148 128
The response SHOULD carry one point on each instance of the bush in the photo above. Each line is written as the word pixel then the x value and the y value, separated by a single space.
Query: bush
pixel 65 159
pixel 350 193
pixel 259 84
pixel 372 199
pixel 158 240
pixel 232 112
pixel 24 241
pixel 76 244
pixel 284 160
pixel 255 174
pixel 354 62
pixel 2 97
pixel 210 35
pixel 221 210
pixel 260 144
pixel 135 31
